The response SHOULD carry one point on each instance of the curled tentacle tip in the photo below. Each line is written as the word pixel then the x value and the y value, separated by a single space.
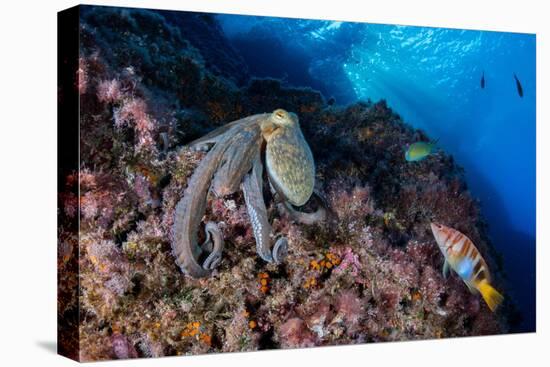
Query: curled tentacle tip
pixel 280 250
pixel 212 261
pixel 266 256
pixel 211 227
pixel 214 244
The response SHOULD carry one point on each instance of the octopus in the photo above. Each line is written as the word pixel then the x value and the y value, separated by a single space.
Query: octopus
pixel 235 159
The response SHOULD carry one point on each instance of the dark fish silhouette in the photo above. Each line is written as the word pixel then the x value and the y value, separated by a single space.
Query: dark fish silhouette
pixel 518 86
pixel 483 80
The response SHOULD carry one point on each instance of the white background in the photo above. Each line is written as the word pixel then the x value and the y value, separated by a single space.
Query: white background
pixel 28 182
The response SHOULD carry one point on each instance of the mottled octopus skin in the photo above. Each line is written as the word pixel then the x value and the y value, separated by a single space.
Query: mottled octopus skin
pixel 234 161
pixel 289 161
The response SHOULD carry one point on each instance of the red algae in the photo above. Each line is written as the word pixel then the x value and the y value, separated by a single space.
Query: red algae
pixel 295 334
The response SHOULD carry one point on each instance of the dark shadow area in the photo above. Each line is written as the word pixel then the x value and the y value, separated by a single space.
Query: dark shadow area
pixel 205 33
pixel 267 55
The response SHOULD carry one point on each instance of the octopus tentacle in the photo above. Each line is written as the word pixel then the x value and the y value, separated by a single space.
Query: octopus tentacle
pixel 213 244
pixel 280 250
pixel 237 160
pixel 283 206
pixel 207 141
pixel 257 211
pixel 252 188
pixel 320 215
pixel 188 215
pixel 305 218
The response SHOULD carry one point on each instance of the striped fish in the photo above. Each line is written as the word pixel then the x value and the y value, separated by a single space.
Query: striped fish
pixel 464 258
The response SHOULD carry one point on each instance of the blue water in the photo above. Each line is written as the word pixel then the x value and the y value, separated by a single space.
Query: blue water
pixel 431 77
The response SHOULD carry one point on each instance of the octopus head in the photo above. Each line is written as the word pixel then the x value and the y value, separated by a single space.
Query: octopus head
pixel 278 120
pixel 281 117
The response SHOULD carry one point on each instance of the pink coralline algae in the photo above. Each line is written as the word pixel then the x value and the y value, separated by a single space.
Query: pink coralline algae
pixel 350 306
pixel 133 113
pixel 122 348
pixel 350 262
pixel 357 201
pixel 82 76
pixel 108 261
pixel 431 286
pixel 295 334
pixel 109 91
pixel 370 273
pixel 100 196
pixel 142 188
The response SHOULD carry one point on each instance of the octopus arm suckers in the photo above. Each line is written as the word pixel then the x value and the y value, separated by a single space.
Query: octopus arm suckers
pixel 252 189
pixel 188 215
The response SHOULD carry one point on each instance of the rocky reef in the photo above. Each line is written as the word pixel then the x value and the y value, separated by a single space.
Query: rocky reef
pixel 371 274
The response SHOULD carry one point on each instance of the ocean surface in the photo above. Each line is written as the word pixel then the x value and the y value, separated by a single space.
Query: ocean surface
pixel 431 77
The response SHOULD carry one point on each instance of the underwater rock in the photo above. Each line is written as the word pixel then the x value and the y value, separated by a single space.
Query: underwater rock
pixel 372 274
pixel 204 33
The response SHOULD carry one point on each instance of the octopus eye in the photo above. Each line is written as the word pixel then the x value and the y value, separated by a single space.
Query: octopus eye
pixel 280 114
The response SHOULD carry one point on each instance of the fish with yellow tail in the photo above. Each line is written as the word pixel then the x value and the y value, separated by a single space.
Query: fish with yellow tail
pixel 464 258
